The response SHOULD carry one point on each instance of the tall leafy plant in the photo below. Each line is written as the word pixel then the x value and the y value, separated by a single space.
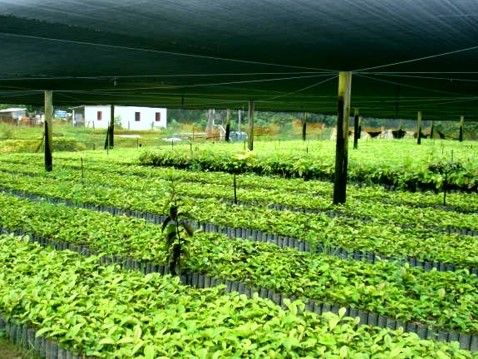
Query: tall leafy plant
pixel 178 232
pixel 445 169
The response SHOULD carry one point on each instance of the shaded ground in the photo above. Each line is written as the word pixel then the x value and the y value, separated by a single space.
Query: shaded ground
pixel 10 351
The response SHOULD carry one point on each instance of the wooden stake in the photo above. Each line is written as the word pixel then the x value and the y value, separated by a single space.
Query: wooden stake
pixel 419 128
pixel 462 123
pixel 341 150
pixel 356 128
pixel 48 130
pixel 250 140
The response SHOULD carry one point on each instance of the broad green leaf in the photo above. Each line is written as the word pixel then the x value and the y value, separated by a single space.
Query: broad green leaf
pixel 107 341
pixel 149 352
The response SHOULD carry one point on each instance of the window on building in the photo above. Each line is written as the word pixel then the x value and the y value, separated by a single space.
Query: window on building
pixel 137 116
pixel 158 116
pixel 99 115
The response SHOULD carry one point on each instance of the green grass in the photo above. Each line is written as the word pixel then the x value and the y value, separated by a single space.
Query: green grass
pixel 92 139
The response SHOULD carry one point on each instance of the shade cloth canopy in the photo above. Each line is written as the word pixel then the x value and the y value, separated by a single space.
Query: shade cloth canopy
pixel 406 56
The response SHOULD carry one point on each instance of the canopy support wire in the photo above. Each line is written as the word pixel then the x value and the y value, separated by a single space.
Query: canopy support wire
pixel 471 48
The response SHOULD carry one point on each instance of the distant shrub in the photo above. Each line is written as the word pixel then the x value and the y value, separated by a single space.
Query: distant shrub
pixel 23 146
pixel 5 132
pixel 67 144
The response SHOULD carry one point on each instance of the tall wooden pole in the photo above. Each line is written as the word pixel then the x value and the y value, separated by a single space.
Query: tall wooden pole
pixel 250 140
pixel 304 126
pixel 228 125
pixel 112 126
pixel 462 123
pixel 341 150
pixel 109 141
pixel 419 128
pixel 356 127
pixel 360 127
pixel 239 121
pixel 48 130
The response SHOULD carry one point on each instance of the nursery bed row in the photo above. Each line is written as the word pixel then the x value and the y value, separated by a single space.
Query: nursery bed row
pixel 300 194
pixel 260 236
pixel 202 281
pixel 460 202
pixel 105 312
pixel 318 230
pixel 400 164
pixel 401 292
pixel 13 180
pixel 312 166
pixel 358 206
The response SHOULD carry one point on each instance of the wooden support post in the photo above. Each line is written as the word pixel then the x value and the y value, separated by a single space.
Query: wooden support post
pixel 250 140
pixel 341 150
pixel 48 130
pixel 228 125
pixel 109 141
pixel 112 127
pixel 356 127
pixel 304 127
pixel 419 128
pixel 462 123
pixel 239 121
pixel 360 127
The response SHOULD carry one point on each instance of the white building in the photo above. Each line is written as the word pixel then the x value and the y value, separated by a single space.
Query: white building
pixel 128 117
pixel 12 114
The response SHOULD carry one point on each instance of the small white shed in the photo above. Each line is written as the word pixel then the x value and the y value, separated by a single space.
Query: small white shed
pixel 13 114
pixel 130 117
